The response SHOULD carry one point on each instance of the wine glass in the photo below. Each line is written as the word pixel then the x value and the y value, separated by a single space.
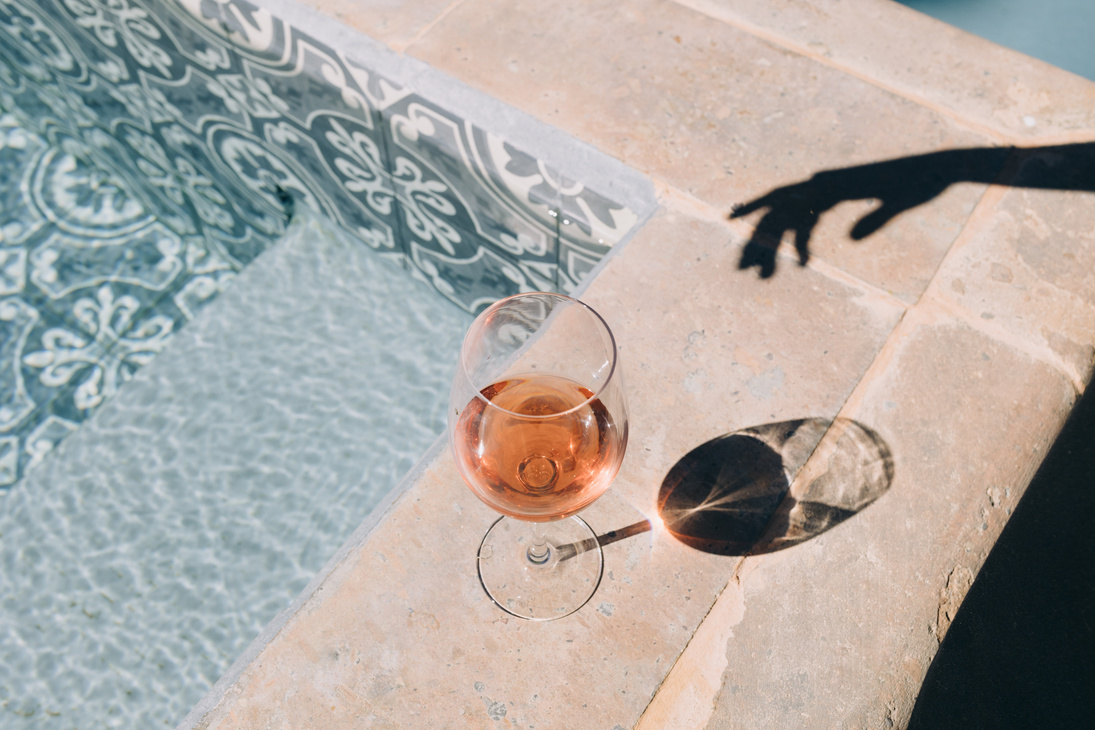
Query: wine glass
pixel 538 429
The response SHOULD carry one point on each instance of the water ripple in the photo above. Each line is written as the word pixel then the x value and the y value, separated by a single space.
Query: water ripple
pixel 152 546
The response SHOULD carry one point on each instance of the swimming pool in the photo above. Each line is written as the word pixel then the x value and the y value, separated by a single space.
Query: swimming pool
pixel 235 266
pixel 1056 31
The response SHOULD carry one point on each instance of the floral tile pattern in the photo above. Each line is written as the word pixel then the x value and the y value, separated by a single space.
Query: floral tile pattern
pixel 151 149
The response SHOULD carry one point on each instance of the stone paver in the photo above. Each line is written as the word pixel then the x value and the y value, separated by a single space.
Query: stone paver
pixel 989 87
pixel 1028 265
pixel 394 22
pixel 839 631
pixel 710 109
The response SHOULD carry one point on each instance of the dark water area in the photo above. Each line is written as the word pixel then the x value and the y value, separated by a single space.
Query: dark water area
pixel 1021 651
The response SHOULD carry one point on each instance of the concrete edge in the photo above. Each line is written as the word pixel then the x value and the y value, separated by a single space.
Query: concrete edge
pixel 856 62
pixel 615 250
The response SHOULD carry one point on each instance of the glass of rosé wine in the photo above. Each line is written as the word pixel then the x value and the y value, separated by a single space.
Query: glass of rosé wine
pixel 538 429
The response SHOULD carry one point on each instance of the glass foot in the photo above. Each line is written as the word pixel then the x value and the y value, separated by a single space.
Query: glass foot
pixel 540 570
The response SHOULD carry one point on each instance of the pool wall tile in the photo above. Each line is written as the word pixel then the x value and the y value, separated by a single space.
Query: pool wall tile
pixel 576 261
pixel 169 514
pixel 451 176
pixel 474 281
pixel 52 374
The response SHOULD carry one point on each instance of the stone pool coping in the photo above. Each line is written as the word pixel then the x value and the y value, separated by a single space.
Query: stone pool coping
pixel 960 334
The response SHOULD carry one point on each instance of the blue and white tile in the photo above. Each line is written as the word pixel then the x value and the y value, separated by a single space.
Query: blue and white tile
pixel 471 282
pixel 576 261
pixel 249 27
pixel 450 176
pixel 17 320
pixel 588 218
pixel 124 29
pixel 43 360
pixel 243 197
pixel 343 169
pixel 38 43
pixel 589 226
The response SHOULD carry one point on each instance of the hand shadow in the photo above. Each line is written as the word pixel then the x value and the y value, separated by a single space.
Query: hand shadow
pixel 900 185
pixel 738 495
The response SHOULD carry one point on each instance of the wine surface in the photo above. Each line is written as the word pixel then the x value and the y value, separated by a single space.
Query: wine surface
pixel 544 452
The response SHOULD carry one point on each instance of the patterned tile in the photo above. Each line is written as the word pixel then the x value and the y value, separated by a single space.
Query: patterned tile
pixel 19 149
pixel 17 321
pixel 590 224
pixel 46 364
pixel 452 177
pixel 342 162
pixel 576 261
pixel 23 450
pixel 472 282
pixel 587 217
pixel 151 149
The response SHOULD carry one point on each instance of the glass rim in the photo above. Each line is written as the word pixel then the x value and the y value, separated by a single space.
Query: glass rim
pixel 614 354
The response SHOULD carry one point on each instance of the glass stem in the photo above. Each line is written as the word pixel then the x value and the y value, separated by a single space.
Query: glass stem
pixel 539 551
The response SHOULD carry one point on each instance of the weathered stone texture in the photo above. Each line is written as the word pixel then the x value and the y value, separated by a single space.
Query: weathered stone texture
pixel 839 631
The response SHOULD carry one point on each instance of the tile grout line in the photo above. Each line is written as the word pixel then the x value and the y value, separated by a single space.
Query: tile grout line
pixel 401 48
pixel 878 365
pixel 912 318
pixel 676 680
pixel 688 204
pixel 675 674
pixel 729 18
pixel 931 303
pixel 1039 353
pixel 933 293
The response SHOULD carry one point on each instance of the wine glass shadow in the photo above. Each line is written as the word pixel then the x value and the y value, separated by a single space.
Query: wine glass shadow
pixel 792 211
pixel 757 490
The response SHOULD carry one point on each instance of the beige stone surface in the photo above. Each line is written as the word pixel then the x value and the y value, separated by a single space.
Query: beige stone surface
pixel 838 631
pixel 394 22
pixel 710 109
pixel 1026 265
pixel 401 634
pixel 986 86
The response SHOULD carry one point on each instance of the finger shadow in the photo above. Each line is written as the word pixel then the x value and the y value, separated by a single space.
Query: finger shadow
pixel 901 185
pixel 747 493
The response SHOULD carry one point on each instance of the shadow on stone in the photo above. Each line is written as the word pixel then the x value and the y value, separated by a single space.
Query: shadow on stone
pixel 769 487
pixel 792 211
pixel 568 551
pixel 1020 651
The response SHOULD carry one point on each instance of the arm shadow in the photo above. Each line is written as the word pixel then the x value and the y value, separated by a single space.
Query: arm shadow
pixel 900 185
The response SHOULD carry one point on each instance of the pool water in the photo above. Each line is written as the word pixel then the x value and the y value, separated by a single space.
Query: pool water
pixel 141 558
pixel 1061 32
